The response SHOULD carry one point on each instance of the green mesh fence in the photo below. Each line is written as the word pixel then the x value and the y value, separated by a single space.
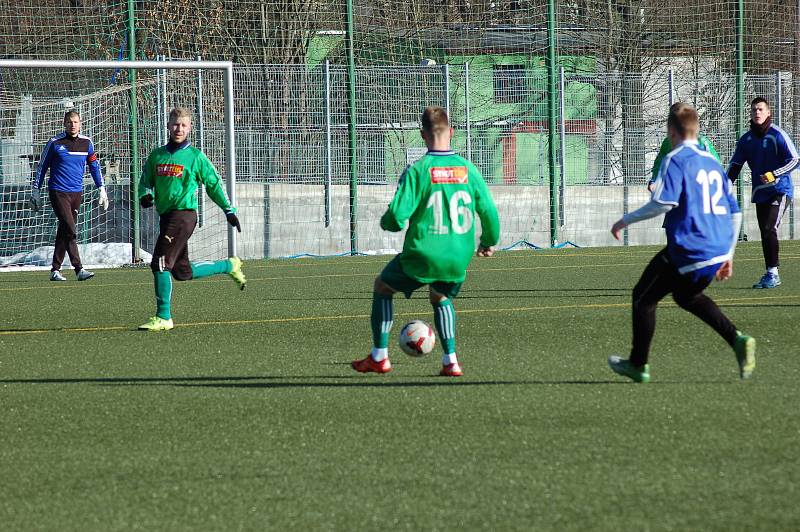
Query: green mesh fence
pixel 619 65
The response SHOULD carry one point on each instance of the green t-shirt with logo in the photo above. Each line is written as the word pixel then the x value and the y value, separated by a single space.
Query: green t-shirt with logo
pixel 439 196
pixel 173 179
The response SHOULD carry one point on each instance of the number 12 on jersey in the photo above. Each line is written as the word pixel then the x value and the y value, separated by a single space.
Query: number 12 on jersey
pixel 711 203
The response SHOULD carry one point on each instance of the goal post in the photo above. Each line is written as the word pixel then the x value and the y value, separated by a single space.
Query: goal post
pixel 226 70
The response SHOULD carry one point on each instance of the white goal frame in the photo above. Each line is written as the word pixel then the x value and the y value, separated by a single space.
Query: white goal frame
pixel 230 149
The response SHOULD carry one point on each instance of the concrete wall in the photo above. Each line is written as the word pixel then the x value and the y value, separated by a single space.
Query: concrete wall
pixel 286 220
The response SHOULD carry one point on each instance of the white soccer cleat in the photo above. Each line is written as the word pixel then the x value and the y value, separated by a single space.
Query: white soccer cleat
pixel 84 275
pixel 157 324
pixel 55 275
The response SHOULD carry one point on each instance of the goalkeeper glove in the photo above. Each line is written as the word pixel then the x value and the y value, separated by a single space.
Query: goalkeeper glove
pixel 233 220
pixel 36 200
pixel 103 201
pixel 146 201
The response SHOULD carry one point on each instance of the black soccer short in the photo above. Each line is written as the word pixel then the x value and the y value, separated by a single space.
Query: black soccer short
pixel 172 247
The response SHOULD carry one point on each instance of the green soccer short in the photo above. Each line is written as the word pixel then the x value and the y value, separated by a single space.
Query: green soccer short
pixel 394 276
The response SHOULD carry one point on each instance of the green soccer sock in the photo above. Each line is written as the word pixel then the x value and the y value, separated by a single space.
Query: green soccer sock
pixel 381 319
pixel 444 316
pixel 206 268
pixel 163 282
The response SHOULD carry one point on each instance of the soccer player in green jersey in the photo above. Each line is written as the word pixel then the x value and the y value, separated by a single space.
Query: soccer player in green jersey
pixel 667 147
pixel 439 196
pixel 170 180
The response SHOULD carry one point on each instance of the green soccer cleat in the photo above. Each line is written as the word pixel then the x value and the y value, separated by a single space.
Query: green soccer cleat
pixel 745 348
pixel 156 324
pixel 624 367
pixel 236 272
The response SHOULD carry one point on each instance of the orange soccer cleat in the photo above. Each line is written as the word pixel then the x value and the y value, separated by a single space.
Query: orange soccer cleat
pixel 451 370
pixel 368 365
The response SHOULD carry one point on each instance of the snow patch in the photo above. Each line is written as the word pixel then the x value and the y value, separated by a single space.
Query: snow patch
pixel 92 256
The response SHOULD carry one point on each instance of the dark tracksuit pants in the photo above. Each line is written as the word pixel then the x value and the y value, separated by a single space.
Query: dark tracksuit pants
pixel 769 216
pixel 660 278
pixel 66 206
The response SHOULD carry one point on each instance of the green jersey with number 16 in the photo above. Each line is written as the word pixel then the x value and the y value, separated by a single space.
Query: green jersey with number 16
pixel 440 195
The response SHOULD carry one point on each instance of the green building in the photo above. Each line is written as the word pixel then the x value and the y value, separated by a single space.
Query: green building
pixel 508 129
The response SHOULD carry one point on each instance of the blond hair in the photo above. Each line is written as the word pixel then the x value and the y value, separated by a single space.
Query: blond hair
pixel 434 120
pixel 684 119
pixel 180 112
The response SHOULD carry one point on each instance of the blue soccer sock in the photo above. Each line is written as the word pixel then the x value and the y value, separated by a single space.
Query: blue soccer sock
pixel 381 320
pixel 444 316
pixel 163 284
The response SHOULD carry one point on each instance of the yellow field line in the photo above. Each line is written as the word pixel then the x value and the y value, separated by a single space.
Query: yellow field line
pixel 727 301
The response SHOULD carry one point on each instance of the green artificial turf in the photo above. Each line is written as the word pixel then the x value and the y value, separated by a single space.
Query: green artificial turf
pixel 247 415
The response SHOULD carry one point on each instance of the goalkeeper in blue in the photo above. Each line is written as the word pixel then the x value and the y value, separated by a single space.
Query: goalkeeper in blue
pixel 702 221
pixel 439 196
pixel 772 156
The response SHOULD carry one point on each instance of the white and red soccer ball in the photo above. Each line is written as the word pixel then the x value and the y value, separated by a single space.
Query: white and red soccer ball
pixel 417 338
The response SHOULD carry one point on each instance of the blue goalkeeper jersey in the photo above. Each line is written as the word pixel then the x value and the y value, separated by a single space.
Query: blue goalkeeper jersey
pixel 699 227
pixel 774 152
pixel 66 157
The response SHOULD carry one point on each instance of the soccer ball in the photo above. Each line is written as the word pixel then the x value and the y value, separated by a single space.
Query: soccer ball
pixel 417 338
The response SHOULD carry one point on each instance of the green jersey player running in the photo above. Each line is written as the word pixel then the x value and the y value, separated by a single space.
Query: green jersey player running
pixel 170 179
pixel 439 196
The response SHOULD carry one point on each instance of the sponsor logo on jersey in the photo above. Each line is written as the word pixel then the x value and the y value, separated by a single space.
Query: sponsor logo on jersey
pixel 169 170
pixel 449 175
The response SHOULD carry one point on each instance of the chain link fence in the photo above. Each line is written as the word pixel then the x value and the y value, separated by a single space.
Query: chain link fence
pixel 293 155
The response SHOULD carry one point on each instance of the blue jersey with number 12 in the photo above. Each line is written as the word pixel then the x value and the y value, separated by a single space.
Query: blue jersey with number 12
pixel 699 227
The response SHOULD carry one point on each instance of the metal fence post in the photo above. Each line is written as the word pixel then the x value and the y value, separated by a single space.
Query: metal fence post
pixel 740 110
pixel 562 133
pixel 230 152
pixel 779 122
pixel 671 86
pixel 164 106
pixel 466 111
pixel 446 74
pixel 352 122
pixel 133 131
pixel 328 143
pixel 159 112
pixel 201 143
pixel 552 87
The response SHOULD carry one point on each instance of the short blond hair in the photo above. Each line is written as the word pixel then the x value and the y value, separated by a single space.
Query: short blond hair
pixel 180 112
pixel 684 119
pixel 434 120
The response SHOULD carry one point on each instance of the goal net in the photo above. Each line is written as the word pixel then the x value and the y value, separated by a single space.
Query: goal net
pixel 34 97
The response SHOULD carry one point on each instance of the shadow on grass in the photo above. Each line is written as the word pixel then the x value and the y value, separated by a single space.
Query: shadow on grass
pixel 770 305
pixel 317 381
pixel 367 382
pixel 549 290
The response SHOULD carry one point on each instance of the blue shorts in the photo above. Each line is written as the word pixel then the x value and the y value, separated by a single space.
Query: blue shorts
pixel 704 275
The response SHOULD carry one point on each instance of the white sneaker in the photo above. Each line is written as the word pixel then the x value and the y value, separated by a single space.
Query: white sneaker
pixel 55 275
pixel 84 275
